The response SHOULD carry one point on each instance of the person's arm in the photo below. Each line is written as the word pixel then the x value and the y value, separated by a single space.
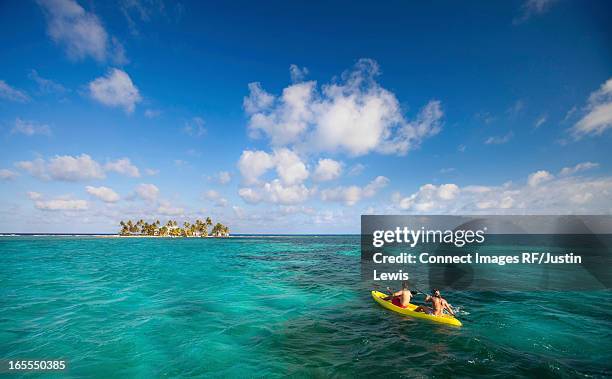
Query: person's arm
pixel 397 293
pixel 448 308
pixel 427 298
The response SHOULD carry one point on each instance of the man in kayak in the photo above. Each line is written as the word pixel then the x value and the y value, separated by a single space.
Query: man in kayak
pixel 402 297
pixel 438 303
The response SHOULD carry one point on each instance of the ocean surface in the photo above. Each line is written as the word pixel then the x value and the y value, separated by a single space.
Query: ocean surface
pixel 270 307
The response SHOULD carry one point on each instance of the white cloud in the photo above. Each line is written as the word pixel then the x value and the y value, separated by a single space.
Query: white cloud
pixel 167 209
pixel 30 128
pixel 566 171
pixel 250 195
pixel 75 168
pixel 539 177
pixel 353 194
pixel 223 177
pixel 103 193
pixel 36 167
pixel 327 169
pixel 195 127
pixel 290 167
pixel 258 99
pixel 279 193
pixel 151 171
pixel 297 74
pixel 552 195
pixel 79 31
pixel 428 197
pixel 147 192
pixel 356 169
pixel 276 192
pixel 355 115
pixel 598 117
pixel 9 93
pixel 253 164
pixel 123 166
pixel 216 198
pixel 498 140
pixel 64 203
pixel 115 89
pixel 6 174
pixel 64 168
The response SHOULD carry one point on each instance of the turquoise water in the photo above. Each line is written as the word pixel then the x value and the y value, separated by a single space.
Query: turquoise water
pixel 269 307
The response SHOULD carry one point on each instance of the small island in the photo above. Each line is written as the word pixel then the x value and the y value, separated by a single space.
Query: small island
pixel 199 228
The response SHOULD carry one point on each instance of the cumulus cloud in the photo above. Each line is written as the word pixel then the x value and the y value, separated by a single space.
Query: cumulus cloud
pixel 75 168
pixel 276 192
pixel 115 89
pixel 542 193
pixel 288 165
pixel 250 195
pixel 216 198
pixel 578 168
pixel 9 93
pixel 253 164
pixel 222 177
pixel 147 192
pixel 354 114
pixel 123 166
pixel 353 194
pixel 297 74
pixel 427 198
pixel 103 193
pixel 598 113
pixel 30 128
pixel 327 169
pixel 499 140
pixel 64 168
pixel 258 99
pixel 167 209
pixel 539 177
pixel 80 32
pixel 6 174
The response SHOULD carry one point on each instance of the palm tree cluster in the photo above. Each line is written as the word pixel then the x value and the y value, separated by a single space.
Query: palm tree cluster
pixel 171 229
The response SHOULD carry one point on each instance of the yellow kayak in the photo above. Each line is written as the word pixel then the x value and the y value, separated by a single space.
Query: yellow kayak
pixel 380 297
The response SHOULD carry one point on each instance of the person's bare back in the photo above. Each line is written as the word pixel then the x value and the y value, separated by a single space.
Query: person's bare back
pixel 401 297
pixel 438 303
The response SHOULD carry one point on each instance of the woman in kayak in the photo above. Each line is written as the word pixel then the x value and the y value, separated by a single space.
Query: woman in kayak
pixel 439 305
pixel 402 297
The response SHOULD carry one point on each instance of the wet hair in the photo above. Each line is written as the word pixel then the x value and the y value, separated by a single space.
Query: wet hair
pixel 405 285
pixel 435 290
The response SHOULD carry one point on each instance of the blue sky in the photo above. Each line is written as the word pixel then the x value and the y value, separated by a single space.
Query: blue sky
pixel 299 117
